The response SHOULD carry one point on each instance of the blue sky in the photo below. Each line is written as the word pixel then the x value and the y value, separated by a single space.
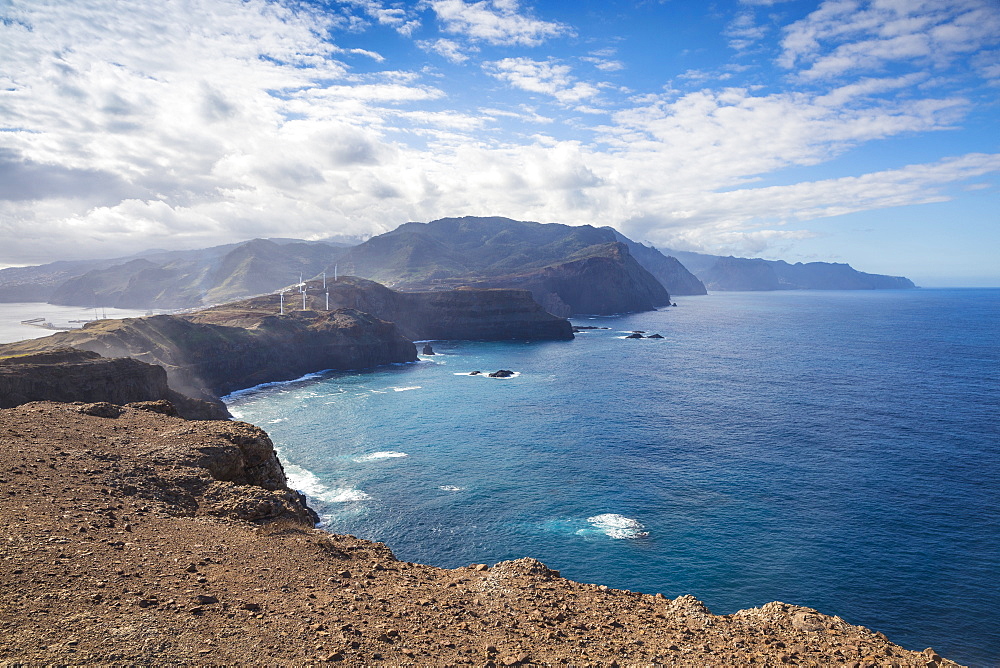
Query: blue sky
pixel 837 130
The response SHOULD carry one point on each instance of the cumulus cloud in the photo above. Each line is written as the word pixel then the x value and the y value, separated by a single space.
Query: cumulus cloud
pixel 547 77
pixel 497 22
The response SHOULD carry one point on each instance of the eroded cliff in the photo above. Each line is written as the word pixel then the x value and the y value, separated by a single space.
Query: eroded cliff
pixel 205 360
pixel 67 374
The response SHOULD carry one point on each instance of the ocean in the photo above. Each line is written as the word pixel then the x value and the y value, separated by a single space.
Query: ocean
pixel 837 450
pixel 11 315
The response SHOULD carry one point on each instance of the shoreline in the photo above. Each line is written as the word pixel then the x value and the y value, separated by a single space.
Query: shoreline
pixel 186 554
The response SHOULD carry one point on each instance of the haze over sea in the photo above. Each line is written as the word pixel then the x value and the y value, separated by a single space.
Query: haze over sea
pixel 837 450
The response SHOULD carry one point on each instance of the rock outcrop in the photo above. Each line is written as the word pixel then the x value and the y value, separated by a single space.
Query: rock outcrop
pixel 142 539
pixel 67 374
pixel 205 359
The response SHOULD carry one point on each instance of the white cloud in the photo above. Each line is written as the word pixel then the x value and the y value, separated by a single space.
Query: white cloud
pixel 604 64
pixel 845 36
pixel 744 32
pixel 396 17
pixel 742 220
pixel 448 49
pixel 547 77
pixel 731 135
pixel 494 21
pixel 213 120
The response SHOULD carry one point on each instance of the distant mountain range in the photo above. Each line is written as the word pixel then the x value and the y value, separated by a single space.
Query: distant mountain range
pixel 746 274
pixel 568 269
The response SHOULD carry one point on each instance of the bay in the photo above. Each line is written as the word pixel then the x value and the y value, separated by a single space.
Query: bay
pixel 837 450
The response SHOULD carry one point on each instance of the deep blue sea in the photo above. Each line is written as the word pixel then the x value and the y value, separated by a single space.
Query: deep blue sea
pixel 838 450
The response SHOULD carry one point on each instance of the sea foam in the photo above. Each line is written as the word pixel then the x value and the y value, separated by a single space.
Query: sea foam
pixel 263 386
pixel 308 483
pixel 618 526
pixel 386 454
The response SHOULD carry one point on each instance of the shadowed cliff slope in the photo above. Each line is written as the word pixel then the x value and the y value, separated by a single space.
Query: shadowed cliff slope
pixel 567 269
pixel 67 374
pixel 205 360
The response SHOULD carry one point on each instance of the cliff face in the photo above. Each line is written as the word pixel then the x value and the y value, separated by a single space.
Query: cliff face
pixel 567 269
pixel 129 537
pixel 605 281
pixel 204 360
pixel 77 375
pixel 667 269
pixel 475 314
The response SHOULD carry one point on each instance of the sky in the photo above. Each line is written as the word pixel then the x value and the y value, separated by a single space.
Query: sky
pixel 860 131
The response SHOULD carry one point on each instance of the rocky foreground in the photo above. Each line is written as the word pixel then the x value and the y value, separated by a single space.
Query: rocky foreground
pixel 129 536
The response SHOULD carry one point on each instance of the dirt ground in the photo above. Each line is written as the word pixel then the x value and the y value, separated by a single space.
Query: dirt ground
pixel 132 537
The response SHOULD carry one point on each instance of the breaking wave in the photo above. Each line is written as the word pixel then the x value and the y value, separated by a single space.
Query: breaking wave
pixel 263 386
pixel 618 526
pixel 387 454
pixel 308 483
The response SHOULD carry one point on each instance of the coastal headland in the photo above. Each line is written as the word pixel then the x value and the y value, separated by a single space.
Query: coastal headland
pixel 209 353
pixel 133 536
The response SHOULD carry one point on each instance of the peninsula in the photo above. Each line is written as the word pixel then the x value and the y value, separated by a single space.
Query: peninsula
pixel 209 353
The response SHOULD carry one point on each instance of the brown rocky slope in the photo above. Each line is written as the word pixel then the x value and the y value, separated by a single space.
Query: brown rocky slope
pixel 67 374
pixel 128 536
pixel 205 360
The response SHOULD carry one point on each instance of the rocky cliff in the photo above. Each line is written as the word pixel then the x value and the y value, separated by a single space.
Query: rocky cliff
pixel 66 374
pixel 470 314
pixel 130 537
pixel 204 360
pixel 667 269
pixel 599 281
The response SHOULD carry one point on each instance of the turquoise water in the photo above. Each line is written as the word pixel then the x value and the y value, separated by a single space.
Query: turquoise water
pixel 839 450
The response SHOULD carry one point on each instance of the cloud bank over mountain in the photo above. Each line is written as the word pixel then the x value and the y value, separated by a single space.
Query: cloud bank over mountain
pixel 128 125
